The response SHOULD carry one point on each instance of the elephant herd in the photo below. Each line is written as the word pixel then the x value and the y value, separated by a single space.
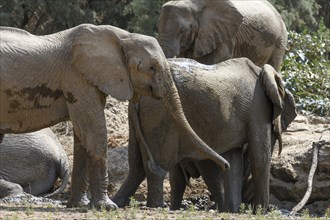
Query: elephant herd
pixel 214 111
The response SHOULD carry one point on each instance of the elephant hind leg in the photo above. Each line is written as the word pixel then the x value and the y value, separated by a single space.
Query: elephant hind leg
pixel 213 178
pixel 9 189
pixel 178 186
pixel 42 185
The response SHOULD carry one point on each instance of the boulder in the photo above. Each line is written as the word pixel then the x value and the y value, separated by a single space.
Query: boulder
pixel 290 170
pixel 117 167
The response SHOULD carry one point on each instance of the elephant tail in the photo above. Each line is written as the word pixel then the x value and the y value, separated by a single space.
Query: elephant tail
pixel 271 81
pixel 64 175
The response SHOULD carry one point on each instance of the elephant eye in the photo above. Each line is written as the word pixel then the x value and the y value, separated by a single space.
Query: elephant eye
pixel 153 68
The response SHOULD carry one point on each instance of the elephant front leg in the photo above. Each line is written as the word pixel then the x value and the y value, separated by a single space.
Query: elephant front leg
pixel 98 178
pixel 79 183
pixel 259 153
pixel 136 172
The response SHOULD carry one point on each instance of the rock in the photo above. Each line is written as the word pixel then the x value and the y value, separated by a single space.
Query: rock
pixel 117 167
pixel 290 170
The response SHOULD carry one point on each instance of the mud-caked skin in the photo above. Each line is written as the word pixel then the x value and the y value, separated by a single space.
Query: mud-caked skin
pixel 31 163
pixel 229 105
pixel 67 75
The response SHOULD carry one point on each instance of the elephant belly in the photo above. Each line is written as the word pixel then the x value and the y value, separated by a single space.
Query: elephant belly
pixel 20 115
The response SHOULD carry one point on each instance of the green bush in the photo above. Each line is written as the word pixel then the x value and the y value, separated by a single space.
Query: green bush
pixel 306 68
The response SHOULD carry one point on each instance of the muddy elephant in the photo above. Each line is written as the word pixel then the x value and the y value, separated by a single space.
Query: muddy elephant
pixel 67 76
pixel 231 104
pixel 31 163
pixel 211 31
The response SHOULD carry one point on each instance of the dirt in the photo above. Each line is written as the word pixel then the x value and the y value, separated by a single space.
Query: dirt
pixel 196 197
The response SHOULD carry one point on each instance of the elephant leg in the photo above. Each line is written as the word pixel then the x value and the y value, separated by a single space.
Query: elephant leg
pixel 155 188
pixel 213 178
pixel 88 120
pixel 233 180
pixel 8 189
pixel 136 172
pixel 178 186
pixel 79 183
pixel 42 185
pixel 98 179
pixel 259 153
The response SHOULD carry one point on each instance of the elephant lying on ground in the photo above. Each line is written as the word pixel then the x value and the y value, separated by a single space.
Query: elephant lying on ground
pixel 212 31
pixel 32 162
pixel 67 76
pixel 229 105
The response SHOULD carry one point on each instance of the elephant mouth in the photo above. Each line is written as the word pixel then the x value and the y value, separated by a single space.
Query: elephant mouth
pixel 155 92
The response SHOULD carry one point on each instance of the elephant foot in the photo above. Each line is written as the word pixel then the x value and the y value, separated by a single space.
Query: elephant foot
pixel 156 204
pixel 77 201
pixel 104 203
pixel 121 202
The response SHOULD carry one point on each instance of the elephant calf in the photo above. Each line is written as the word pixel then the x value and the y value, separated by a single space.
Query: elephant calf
pixel 32 162
pixel 229 104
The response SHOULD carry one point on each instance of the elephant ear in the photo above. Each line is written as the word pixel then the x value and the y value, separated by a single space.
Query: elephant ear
pixel 218 24
pixel 98 56
pixel 272 83
pixel 289 112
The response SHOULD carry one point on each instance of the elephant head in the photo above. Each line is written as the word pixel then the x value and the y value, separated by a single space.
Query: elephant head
pixel 120 64
pixel 185 27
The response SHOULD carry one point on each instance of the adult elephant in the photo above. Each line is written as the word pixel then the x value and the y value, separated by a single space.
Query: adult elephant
pixel 31 163
pixel 67 75
pixel 211 31
pixel 229 105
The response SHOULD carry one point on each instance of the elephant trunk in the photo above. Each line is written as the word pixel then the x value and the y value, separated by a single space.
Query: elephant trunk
pixel 173 107
pixel 170 49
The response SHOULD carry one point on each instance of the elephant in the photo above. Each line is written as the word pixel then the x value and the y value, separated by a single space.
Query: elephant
pixel 212 31
pixel 67 76
pixel 39 160
pixel 231 104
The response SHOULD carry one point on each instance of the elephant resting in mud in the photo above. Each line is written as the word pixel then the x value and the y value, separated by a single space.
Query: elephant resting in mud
pixel 32 162
pixel 229 105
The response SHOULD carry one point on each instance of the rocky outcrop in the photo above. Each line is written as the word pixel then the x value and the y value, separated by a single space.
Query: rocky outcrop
pixel 117 167
pixel 289 171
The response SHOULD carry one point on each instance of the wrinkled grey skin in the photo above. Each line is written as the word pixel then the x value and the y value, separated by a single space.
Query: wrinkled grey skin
pixel 32 162
pixel 228 105
pixel 67 76
pixel 212 31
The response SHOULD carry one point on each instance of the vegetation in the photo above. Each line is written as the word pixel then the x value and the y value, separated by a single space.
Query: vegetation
pixel 305 68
